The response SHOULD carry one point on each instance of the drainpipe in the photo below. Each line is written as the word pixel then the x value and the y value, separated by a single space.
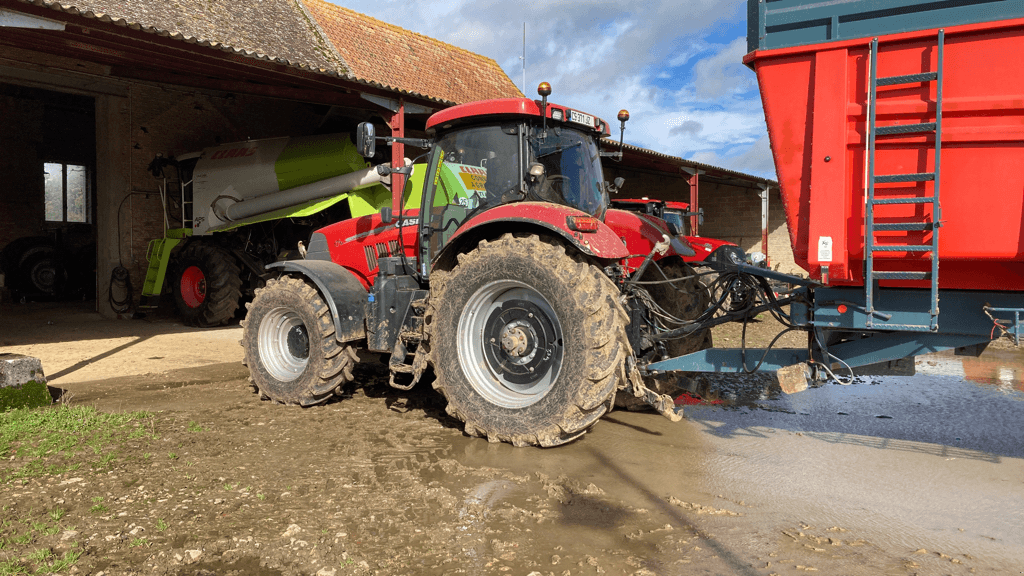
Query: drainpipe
pixel 764 221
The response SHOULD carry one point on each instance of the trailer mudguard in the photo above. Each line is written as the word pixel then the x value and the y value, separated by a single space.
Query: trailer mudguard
pixel 343 291
pixel 602 243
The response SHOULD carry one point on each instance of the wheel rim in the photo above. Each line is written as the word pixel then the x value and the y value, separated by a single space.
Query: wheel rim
pixel 193 286
pixel 283 344
pixel 44 276
pixel 510 344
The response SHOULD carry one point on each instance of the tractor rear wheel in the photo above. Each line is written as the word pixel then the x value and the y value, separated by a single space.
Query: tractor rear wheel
pixel 207 285
pixel 289 344
pixel 528 343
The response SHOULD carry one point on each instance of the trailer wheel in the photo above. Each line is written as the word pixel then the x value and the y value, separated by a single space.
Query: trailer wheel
pixel 207 285
pixel 289 344
pixel 527 342
pixel 686 300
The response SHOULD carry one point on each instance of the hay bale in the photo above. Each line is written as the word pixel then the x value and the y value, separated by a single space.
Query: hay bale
pixel 22 383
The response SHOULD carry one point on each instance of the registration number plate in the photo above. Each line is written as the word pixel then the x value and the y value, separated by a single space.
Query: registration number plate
pixel 581 118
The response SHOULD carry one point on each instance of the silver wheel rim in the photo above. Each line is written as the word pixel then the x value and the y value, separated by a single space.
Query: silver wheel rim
pixel 283 344
pixel 510 344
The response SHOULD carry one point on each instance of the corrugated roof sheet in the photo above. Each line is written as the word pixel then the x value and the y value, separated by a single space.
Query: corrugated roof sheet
pixel 613 145
pixel 398 59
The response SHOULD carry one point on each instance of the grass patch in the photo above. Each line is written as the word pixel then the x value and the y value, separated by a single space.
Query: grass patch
pixel 60 439
pixel 32 394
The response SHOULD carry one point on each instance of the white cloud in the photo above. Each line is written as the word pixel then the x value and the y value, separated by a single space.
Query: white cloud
pixel 753 159
pixel 724 72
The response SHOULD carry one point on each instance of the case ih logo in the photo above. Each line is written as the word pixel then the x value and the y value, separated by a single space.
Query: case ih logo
pixel 233 153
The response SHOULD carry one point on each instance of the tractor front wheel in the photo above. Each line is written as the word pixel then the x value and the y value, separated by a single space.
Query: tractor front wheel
pixel 289 344
pixel 527 342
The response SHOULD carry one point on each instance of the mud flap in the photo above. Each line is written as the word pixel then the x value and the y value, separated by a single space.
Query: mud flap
pixel 663 403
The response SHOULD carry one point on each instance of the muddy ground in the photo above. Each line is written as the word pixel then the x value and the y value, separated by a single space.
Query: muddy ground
pixel 383 482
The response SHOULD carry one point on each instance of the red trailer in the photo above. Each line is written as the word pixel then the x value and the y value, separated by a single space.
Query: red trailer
pixel 936 115
pixel 898 135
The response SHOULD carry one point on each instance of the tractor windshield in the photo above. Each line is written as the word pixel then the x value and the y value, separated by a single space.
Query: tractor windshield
pixel 476 168
pixel 572 173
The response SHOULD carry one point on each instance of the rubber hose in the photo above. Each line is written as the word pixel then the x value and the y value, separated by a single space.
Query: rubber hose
pixel 122 280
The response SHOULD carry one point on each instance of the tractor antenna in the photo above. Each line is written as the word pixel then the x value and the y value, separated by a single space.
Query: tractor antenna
pixel 523 57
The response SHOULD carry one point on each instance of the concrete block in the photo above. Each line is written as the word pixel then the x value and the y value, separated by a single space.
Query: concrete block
pixel 22 383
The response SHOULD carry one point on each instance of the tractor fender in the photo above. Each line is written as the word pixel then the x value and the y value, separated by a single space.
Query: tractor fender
pixel 342 290
pixel 641 232
pixel 603 244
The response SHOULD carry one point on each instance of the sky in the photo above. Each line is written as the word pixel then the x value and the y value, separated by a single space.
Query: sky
pixel 674 64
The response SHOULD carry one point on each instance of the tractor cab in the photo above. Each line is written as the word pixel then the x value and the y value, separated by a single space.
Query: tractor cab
pixel 497 152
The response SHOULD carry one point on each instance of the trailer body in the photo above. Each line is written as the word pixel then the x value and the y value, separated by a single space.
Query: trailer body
pixel 814 68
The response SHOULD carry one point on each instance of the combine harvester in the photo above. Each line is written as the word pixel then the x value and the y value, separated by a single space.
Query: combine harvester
pixel 898 136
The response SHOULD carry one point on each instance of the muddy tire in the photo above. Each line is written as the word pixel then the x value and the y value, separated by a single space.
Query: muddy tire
pixel 527 342
pixel 289 345
pixel 207 285
pixel 685 300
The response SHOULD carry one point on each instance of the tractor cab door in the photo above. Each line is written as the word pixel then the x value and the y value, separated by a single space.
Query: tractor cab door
pixel 470 170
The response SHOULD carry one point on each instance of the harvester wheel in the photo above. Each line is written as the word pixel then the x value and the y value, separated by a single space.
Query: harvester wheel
pixel 289 345
pixel 685 300
pixel 207 285
pixel 528 343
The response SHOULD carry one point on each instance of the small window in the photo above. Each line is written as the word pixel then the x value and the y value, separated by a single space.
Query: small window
pixel 66 189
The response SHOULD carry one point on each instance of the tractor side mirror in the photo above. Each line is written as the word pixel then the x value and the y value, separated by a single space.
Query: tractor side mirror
pixel 366 140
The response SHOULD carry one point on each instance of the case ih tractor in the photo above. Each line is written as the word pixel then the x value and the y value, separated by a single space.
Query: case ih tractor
pixel 507 280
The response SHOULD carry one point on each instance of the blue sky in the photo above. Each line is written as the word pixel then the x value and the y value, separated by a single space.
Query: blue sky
pixel 675 65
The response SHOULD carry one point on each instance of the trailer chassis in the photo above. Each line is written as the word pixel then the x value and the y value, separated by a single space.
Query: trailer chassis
pixel 843 331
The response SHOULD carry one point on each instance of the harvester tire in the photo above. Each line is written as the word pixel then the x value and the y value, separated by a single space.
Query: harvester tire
pixel 207 285
pixel 685 300
pixel 528 343
pixel 289 344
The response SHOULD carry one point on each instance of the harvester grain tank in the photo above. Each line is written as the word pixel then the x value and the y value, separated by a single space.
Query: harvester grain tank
pixel 243 205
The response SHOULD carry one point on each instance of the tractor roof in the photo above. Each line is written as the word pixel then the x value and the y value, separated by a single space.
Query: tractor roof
pixel 517 107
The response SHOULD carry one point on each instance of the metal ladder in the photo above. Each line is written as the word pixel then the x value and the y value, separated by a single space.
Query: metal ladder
pixel 871 276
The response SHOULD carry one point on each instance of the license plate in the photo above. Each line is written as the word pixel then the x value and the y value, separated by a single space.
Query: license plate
pixel 581 118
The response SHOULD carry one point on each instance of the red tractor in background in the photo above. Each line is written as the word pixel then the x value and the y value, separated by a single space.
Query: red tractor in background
pixel 533 302
pixel 676 215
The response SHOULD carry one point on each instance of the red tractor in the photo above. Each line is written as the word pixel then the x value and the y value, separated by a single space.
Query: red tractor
pixel 677 216
pixel 532 301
